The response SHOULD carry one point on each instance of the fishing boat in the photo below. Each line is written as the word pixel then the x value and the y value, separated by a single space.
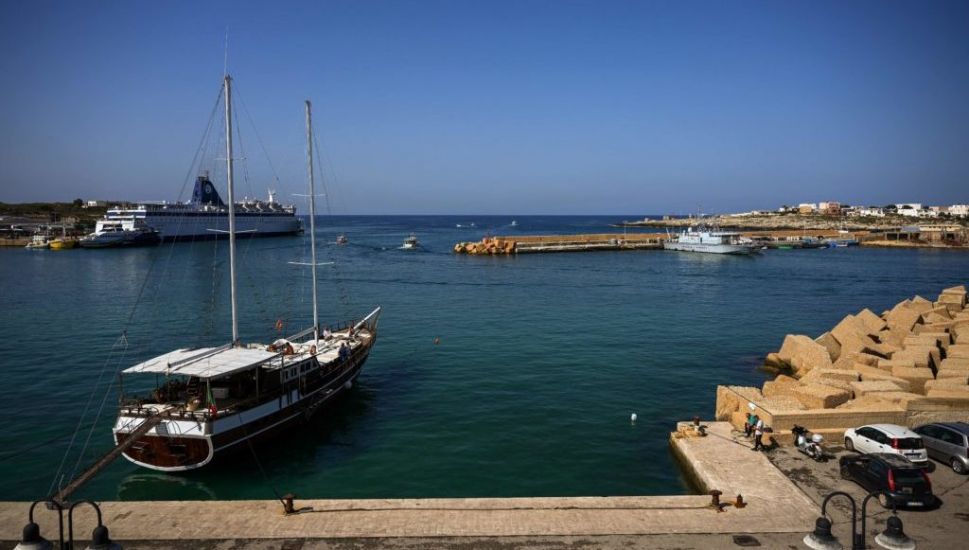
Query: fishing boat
pixel 211 401
pixel 63 242
pixel 410 243
pixel 712 242
pixel 38 242
pixel 129 231
pixel 341 239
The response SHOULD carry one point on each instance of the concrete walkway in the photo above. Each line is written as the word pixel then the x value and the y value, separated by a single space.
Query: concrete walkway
pixel 775 506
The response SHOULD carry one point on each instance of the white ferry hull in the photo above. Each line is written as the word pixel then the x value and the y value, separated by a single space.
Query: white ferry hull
pixel 211 225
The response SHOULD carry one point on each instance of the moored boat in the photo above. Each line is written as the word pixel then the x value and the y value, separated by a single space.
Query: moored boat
pixel 109 233
pixel 214 400
pixel 711 242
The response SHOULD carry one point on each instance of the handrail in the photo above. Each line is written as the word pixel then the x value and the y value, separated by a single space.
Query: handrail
pixel 749 400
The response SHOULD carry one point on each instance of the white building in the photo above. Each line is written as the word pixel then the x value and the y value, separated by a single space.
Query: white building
pixel 959 210
pixel 910 209
pixel 870 211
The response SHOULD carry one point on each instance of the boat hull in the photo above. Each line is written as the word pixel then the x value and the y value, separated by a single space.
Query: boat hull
pixel 735 249
pixel 199 443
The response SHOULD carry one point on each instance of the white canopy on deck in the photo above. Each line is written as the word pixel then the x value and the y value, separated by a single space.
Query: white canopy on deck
pixel 204 362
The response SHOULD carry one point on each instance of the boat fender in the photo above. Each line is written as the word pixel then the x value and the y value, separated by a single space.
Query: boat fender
pixel 213 411
pixel 289 349
pixel 279 324
pixel 313 350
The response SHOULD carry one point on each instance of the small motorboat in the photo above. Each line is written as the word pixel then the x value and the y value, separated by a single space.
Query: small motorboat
pixel 341 239
pixel 410 243
pixel 38 242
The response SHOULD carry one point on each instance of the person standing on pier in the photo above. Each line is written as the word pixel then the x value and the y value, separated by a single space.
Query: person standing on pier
pixel 758 435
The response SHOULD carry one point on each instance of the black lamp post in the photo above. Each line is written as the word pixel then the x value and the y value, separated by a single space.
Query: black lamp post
pixel 892 538
pixel 32 540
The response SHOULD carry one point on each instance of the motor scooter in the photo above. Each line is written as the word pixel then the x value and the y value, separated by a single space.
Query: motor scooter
pixel 808 443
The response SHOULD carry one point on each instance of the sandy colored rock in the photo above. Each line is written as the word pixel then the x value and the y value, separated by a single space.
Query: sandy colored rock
pixel 831 344
pixel 780 386
pixel 804 354
pixel 915 376
pixel 920 304
pixel 819 396
pixel 860 389
pixel 953 392
pixel 889 364
pixel 935 317
pixel 873 322
pixel 954 363
pixel 925 357
pixel 874 373
pixel 903 317
pixel 901 398
pixel 961 374
pixel 958 350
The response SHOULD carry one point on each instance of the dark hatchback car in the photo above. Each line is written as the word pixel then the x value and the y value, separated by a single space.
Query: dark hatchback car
pixel 907 484
pixel 947 442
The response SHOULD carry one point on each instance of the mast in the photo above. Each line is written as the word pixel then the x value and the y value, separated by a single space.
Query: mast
pixel 232 213
pixel 309 172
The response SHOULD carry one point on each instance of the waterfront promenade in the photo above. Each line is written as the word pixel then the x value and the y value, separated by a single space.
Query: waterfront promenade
pixel 774 505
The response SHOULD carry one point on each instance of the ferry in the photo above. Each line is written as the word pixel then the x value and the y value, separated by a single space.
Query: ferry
pixel 711 242
pixel 206 216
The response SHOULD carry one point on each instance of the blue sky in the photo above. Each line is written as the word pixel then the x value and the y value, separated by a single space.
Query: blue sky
pixel 544 107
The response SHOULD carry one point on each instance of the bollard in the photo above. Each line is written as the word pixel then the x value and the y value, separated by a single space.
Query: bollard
pixel 288 504
pixel 715 498
pixel 739 503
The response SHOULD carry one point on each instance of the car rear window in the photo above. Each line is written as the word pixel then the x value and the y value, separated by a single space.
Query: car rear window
pixel 908 476
pixel 909 443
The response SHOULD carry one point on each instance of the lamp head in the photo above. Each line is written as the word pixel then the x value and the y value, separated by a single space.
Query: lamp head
pixel 821 538
pixel 101 541
pixel 31 539
pixel 893 537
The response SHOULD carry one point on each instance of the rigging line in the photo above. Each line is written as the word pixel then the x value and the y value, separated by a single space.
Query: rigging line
pixel 255 457
pixel 258 137
pixel 80 420
pixel 344 291
pixel 97 416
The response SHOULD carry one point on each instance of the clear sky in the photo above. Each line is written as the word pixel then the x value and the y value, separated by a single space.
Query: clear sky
pixel 492 107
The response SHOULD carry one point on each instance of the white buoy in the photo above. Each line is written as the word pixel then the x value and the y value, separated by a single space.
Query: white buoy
pixel 633 417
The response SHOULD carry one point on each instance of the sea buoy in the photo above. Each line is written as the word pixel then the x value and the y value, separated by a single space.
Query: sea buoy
pixel 633 417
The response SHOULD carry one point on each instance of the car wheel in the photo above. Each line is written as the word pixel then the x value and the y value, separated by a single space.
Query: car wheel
pixel 849 444
pixel 958 467
pixel 884 500
pixel 845 473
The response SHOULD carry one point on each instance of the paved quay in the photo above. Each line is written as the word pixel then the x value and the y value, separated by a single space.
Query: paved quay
pixel 775 505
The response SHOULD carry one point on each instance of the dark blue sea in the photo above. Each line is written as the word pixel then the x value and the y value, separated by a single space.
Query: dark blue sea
pixel 539 363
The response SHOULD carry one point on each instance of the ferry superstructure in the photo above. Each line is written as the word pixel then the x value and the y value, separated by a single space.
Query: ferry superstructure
pixel 711 242
pixel 207 217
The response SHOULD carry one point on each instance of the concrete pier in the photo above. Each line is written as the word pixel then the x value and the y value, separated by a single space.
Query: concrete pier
pixel 774 506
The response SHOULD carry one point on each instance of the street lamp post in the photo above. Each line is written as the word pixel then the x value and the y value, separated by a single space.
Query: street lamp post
pixel 892 538
pixel 32 540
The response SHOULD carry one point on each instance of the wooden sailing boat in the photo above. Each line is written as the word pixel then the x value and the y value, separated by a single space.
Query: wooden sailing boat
pixel 213 400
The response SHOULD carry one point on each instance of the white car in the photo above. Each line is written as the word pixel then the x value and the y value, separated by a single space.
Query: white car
pixel 887 438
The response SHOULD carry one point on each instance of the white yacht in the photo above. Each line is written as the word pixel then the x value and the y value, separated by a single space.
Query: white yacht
pixel 121 231
pixel 410 243
pixel 712 242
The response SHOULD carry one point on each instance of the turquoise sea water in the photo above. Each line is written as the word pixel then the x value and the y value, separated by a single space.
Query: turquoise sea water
pixel 541 360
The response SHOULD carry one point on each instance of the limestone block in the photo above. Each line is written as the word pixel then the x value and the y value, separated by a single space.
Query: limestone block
pixel 941 326
pixel 893 337
pixel 889 364
pixel 958 350
pixel 922 339
pixel 833 374
pixel 944 339
pixel 920 304
pixel 954 363
pixel 804 354
pixel 953 392
pixel 959 374
pixel 819 396
pixel 947 383
pixel 874 373
pixel 873 322
pixel 831 344
pixel 897 397
pixel 935 316
pixel 924 356
pixel 863 388
pixel 780 386
pixel 915 376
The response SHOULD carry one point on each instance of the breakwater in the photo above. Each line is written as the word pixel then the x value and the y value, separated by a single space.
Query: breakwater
pixel 908 365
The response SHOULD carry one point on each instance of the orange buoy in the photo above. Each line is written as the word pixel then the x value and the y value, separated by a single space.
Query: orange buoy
pixel 437 341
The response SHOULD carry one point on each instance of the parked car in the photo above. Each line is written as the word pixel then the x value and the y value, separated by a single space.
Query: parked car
pixel 947 442
pixel 906 483
pixel 887 438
